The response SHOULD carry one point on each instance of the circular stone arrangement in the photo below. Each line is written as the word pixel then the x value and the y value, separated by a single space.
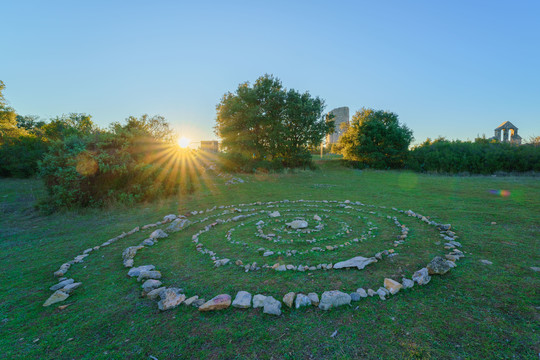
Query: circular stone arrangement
pixel 291 230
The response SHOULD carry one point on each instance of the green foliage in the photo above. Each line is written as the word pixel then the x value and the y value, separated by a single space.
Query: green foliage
pixel 124 164
pixel 8 119
pixel 267 123
pixel 20 155
pixel 480 157
pixel 376 139
pixel 30 123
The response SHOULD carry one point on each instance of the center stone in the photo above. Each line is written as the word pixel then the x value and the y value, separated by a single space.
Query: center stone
pixel 298 224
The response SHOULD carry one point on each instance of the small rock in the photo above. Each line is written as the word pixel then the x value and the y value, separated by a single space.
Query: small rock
pixel 158 234
pixel 189 301
pixel 150 285
pixel 221 262
pixel 148 242
pixel 274 214
pixel 136 271
pixel 317 218
pixel 314 298
pixel 68 289
pixel 168 218
pixel 219 302
pixel 362 292
pixel 355 296
pixel 242 300
pixel 128 263
pixel 382 294
pixel 154 294
pixel 330 299
pixel 438 266
pixel 392 285
pixel 302 300
pixel 370 292
pixel 486 262
pixel 297 224
pixel 288 299
pixel 170 298
pixel 271 306
pixel 149 275
pixel 58 296
pixel 421 277
pixel 407 283
pixel 61 284
pixel 535 268
pixel 178 225
pixel 197 303
pixel 268 253
pixel 258 301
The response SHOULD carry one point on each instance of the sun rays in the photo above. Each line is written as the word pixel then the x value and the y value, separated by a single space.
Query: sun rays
pixel 174 167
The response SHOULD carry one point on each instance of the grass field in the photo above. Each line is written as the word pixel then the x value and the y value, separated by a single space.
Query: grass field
pixel 475 311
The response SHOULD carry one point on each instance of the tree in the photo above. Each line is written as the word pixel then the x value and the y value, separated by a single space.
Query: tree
pixel 376 139
pixel 8 119
pixel 265 122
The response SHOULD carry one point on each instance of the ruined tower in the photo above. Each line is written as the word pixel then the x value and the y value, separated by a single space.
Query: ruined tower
pixel 341 117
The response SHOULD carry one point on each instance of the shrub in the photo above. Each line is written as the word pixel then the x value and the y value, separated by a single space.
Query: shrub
pixel 376 139
pixel 479 157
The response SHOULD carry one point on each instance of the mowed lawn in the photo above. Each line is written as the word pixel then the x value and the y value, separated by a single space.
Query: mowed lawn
pixel 476 311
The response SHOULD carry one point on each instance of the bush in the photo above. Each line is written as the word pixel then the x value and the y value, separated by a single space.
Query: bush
pixel 20 155
pixel 479 157
pixel 124 164
pixel 376 139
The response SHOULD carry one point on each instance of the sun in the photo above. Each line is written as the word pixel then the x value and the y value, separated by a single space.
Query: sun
pixel 183 142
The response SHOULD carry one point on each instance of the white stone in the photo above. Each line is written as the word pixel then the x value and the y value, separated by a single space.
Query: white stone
pixel 272 306
pixel 302 300
pixel 158 234
pixel 170 298
pixel 362 292
pixel 258 300
pixel 136 271
pixel 330 299
pixel 242 300
pixel 58 296
pixel 61 284
pixel 297 224
pixel 407 283
pixel 358 262
pixel 421 276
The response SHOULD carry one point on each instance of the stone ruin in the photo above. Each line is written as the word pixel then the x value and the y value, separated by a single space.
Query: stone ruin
pixel 341 117
pixel 509 133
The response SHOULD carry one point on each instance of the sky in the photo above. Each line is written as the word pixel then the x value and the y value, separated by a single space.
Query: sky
pixel 456 69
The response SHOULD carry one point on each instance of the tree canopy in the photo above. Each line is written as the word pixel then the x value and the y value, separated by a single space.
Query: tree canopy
pixel 266 122
pixel 376 139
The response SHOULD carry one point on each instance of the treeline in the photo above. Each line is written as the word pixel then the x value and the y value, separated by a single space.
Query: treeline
pixel 482 156
pixel 84 165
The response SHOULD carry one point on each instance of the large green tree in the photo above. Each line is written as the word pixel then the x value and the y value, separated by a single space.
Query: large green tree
pixel 376 139
pixel 266 122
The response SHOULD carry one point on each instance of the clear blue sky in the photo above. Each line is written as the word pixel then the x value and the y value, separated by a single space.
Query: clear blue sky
pixel 453 68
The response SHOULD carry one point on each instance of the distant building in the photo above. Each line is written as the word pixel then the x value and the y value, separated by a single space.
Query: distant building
pixel 341 117
pixel 509 133
pixel 210 146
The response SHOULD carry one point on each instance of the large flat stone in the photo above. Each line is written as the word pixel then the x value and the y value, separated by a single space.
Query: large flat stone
pixel 358 262
pixel 219 302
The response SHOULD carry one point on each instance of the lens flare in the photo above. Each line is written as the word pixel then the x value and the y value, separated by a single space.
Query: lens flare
pixel 183 142
pixel 503 193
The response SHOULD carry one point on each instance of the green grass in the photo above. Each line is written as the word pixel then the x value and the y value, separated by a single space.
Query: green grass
pixel 473 312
